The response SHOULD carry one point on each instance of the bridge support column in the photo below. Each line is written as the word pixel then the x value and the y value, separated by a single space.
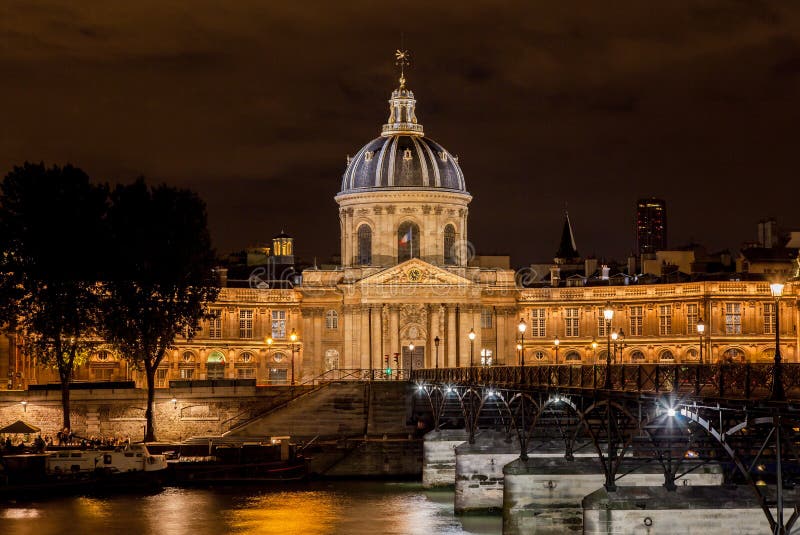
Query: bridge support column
pixel 544 493
pixel 686 510
pixel 439 457
pixel 479 472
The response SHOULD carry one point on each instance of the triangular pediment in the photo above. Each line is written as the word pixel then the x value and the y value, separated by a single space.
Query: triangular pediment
pixel 415 272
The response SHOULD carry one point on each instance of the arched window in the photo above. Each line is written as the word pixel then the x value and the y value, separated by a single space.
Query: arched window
pixel 573 356
pixel 768 354
pixel 188 356
pixel 539 355
pixel 450 245
pixel 331 320
pixel 407 241
pixel 666 355
pixel 364 245
pixel 246 357
pixel 215 365
pixel 103 355
pixel 637 356
pixel 692 354
pixel 733 354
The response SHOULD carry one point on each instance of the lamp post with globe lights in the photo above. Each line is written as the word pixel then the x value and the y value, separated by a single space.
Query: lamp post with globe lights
pixel 436 344
pixel 701 328
pixel 411 359
pixel 471 336
pixel 295 347
pixel 522 327
pixel 777 393
pixel 608 314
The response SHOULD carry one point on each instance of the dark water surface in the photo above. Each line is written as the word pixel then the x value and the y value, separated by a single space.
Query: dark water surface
pixel 342 507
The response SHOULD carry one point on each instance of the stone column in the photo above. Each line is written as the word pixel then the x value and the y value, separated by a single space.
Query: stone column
pixel 363 358
pixel 377 355
pixel 450 339
pixel 394 336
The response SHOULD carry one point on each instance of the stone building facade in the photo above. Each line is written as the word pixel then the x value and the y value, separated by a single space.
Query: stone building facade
pixel 405 296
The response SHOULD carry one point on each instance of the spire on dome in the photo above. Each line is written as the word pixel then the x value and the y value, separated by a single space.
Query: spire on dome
pixel 567 249
pixel 402 115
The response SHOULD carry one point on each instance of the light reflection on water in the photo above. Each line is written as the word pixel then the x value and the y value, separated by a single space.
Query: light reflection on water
pixel 345 507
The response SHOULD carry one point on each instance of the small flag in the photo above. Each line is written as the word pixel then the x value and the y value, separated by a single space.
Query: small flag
pixel 406 238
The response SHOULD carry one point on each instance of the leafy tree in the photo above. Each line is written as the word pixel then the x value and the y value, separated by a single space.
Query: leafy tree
pixel 160 275
pixel 51 238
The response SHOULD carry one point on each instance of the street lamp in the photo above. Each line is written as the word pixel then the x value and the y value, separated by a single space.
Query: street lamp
pixel 293 338
pixel 522 327
pixel 411 357
pixel 701 328
pixel 614 336
pixel 608 314
pixel 471 336
pixel 777 393
pixel 594 349
pixel 436 343
pixel 556 342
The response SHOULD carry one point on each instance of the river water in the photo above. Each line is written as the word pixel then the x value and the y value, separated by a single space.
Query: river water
pixel 339 507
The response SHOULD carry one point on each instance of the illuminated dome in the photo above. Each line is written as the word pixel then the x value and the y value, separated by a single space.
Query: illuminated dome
pixel 402 157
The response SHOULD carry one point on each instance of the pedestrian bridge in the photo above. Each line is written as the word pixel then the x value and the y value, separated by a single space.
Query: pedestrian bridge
pixel 627 418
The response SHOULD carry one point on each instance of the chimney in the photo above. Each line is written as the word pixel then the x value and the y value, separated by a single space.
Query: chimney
pixel 605 272
pixel 555 275
pixel 222 273
pixel 590 266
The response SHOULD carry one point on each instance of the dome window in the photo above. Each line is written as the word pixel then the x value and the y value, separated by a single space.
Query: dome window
pixel 407 155
pixel 364 245
pixel 450 245
pixel 368 155
pixel 443 156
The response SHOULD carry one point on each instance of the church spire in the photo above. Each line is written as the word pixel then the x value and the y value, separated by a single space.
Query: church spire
pixel 567 250
pixel 402 114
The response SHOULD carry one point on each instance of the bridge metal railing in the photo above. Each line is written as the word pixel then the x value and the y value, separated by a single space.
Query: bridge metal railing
pixel 724 381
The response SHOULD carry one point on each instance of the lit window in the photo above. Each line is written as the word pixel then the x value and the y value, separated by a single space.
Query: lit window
pixel 692 315
pixel 187 374
pixel 664 320
pixel 733 318
pixel 538 322
pixel 279 324
pixel 769 318
pixel 161 378
pixel 571 322
pixel 602 323
pixel 246 323
pixel 103 355
pixel 246 357
pixel 573 356
pixel 331 320
pixel 666 355
pixel 215 324
pixel 188 356
pixel 636 320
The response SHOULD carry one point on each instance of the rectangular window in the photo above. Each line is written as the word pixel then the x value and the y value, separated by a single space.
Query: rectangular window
pixel 733 318
pixel 636 315
pixel 571 322
pixel 486 318
pixel 246 373
pixel 537 322
pixel 187 373
pixel 279 324
pixel 692 315
pixel 769 318
pixel 601 324
pixel 664 320
pixel 215 324
pixel 246 323
pixel 161 378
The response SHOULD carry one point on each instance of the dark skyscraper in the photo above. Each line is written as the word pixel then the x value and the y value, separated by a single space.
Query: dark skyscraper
pixel 651 225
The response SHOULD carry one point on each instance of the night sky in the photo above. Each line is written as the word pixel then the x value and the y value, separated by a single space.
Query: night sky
pixel 256 104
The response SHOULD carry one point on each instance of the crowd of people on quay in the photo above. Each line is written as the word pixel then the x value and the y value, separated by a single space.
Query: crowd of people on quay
pixel 63 438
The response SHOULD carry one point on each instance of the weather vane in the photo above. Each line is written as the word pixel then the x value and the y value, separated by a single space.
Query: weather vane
pixel 402 58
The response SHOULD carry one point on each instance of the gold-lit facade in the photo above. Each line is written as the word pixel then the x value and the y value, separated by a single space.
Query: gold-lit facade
pixel 406 294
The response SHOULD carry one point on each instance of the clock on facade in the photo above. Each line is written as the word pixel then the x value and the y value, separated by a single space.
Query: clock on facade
pixel 414 275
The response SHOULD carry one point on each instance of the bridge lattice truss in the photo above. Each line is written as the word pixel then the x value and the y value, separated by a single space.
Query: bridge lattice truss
pixel 679 417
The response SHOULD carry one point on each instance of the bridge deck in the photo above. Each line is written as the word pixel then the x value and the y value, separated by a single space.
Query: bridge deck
pixel 706 381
